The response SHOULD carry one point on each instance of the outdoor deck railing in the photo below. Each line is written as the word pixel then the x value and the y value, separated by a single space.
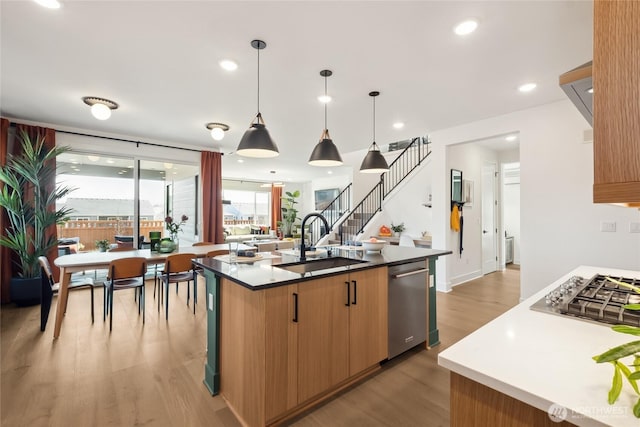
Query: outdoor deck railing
pixel 88 231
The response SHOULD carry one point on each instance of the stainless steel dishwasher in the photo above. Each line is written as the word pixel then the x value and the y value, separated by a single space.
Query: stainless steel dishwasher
pixel 408 286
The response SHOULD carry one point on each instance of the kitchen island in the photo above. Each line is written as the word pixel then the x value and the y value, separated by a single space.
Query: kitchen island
pixel 526 366
pixel 280 341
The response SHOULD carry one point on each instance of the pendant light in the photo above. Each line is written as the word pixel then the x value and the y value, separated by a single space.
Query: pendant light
pixel 256 141
pixel 374 161
pixel 325 152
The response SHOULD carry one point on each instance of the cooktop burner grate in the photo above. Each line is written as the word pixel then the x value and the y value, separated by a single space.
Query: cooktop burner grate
pixel 598 299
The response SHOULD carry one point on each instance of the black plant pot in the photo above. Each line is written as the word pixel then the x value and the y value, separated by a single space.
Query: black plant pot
pixel 25 292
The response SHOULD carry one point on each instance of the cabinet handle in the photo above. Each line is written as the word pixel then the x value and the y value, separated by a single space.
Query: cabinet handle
pixel 411 273
pixel 348 293
pixel 355 292
pixel 295 307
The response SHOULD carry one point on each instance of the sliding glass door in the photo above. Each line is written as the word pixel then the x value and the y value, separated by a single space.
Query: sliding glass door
pixel 121 200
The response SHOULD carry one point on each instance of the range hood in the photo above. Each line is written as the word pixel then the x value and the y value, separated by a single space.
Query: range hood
pixel 578 86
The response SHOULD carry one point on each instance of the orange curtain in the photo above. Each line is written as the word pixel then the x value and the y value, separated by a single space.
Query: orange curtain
pixel 276 205
pixel 211 178
pixel 5 253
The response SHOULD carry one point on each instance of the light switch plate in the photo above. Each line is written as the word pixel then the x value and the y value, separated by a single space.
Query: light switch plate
pixel 634 227
pixel 210 302
pixel 608 226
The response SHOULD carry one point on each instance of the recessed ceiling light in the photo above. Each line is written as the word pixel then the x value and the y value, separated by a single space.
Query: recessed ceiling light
pixel 50 4
pixel 590 90
pixel 466 27
pixel 93 158
pixel 240 161
pixel 325 99
pixel 228 65
pixel 398 125
pixel 330 172
pixel 110 161
pixel 527 87
pixel 511 138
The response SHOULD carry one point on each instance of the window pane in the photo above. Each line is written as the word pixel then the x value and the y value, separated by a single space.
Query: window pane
pixel 102 202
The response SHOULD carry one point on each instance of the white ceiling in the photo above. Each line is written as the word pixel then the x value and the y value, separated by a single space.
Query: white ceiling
pixel 159 61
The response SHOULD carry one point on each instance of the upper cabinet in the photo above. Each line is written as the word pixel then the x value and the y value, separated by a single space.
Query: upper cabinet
pixel 616 102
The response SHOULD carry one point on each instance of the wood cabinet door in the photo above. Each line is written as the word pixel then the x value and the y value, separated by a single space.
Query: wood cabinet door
pixel 616 102
pixel 323 335
pixel 281 350
pixel 368 319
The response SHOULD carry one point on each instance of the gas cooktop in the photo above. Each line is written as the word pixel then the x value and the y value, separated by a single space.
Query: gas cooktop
pixel 599 299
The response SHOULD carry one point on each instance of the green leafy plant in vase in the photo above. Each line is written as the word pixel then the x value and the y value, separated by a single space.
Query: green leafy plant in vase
pixel 397 229
pixel 289 212
pixel 102 245
pixel 29 201
pixel 615 355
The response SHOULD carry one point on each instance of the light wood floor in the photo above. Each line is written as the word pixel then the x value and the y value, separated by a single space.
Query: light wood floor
pixel 152 374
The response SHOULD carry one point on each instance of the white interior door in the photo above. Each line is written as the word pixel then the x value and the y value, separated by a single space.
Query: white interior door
pixel 489 229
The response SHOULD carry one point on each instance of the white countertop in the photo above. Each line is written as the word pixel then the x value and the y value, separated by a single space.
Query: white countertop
pixel 543 359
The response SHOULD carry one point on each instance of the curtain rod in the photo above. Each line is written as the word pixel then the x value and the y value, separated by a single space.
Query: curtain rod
pixel 128 140
pixel 121 140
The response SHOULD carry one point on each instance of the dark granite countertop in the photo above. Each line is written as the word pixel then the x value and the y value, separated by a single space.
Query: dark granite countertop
pixel 264 273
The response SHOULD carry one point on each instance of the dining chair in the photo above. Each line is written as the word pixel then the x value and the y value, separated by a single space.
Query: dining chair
pixel 203 244
pixel 50 287
pixel 124 273
pixel 179 268
pixel 217 252
pixel 122 249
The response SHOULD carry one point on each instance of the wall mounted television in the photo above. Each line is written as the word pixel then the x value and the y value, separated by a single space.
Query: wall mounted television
pixel 324 197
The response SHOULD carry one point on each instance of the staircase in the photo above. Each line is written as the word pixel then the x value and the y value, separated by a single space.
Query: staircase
pixel 410 158
pixel 353 222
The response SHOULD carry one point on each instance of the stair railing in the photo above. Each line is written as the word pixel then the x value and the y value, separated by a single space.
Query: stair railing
pixel 333 212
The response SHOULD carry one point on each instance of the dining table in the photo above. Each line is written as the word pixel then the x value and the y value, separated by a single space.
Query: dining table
pixel 83 261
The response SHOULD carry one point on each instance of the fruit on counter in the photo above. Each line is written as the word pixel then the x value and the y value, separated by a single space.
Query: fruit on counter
pixel 385 231
pixel 373 240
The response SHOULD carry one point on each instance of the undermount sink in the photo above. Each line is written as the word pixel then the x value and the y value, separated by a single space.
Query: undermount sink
pixel 318 264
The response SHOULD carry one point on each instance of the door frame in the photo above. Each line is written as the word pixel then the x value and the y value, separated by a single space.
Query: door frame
pixel 494 256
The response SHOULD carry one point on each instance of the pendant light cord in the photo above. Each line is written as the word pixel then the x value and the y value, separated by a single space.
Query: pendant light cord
pixel 374 120
pixel 325 104
pixel 258 80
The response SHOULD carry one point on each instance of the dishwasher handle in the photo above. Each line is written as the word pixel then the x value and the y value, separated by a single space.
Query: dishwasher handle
pixel 410 273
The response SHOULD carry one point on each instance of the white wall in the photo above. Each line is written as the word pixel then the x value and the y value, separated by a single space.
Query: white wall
pixel 559 222
pixel 407 204
pixel 468 158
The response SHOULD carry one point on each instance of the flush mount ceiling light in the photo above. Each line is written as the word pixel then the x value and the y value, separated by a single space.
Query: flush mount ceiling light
pixel 256 141
pixel 100 107
pixel 325 152
pixel 374 161
pixel 511 138
pixel 228 65
pixel 49 4
pixel 217 130
pixel 527 87
pixel 466 27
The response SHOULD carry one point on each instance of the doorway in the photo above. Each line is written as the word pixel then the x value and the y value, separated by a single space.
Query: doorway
pixel 489 226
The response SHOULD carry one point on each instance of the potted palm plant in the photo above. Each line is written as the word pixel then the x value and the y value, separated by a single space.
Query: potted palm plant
pixel 30 203
pixel 289 212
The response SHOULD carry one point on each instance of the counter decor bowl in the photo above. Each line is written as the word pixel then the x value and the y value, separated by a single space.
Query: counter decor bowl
pixel 373 246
